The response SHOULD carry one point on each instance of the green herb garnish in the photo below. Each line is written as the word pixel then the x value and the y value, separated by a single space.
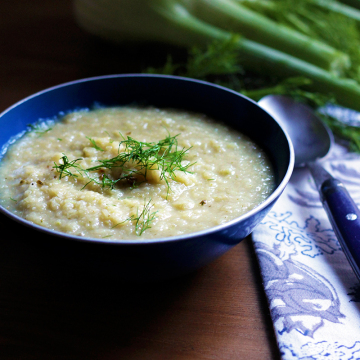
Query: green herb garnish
pixel 64 168
pixel 140 157
pixel 38 129
pixel 142 220
pixel 94 144
pixel 135 162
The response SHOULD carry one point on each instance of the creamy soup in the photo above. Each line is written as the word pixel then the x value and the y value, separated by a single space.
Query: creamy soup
pixel 132 173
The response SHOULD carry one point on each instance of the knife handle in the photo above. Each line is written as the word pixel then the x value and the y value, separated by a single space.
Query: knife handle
pixel 344 216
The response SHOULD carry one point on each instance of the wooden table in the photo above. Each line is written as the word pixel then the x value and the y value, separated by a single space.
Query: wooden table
pixel 219 312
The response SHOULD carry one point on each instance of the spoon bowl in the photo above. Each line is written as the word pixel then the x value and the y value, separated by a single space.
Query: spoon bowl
pixel 311 138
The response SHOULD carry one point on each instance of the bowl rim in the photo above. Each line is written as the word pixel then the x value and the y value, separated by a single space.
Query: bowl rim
pixel 187 236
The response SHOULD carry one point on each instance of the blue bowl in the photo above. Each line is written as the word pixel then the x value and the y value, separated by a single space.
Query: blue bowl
pixel 165 257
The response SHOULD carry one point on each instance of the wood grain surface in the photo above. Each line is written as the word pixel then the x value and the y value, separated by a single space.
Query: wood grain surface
pixel 53 311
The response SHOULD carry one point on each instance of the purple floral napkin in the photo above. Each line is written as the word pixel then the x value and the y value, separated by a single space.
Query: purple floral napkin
pixel 312 292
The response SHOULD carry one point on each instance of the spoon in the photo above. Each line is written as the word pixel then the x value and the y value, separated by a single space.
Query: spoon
pixel 312 140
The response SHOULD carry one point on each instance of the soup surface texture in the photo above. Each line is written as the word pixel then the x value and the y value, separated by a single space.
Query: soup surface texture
pixel 132 173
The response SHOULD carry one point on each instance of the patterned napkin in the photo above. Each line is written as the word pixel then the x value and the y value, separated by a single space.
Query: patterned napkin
pixel 312 292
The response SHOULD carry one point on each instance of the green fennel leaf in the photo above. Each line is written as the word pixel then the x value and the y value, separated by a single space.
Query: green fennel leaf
pixel 64 168
pixel 94 144
pixel 140 157
pixel 135 162
pixel 39 128
pixel 144 219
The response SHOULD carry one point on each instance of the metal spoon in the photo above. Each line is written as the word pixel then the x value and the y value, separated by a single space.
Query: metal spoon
pixel 312 140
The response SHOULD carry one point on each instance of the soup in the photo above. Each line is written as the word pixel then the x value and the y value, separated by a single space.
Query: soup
pixel 133 173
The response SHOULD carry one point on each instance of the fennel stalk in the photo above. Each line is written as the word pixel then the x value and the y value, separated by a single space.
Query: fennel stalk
pixel 265 44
